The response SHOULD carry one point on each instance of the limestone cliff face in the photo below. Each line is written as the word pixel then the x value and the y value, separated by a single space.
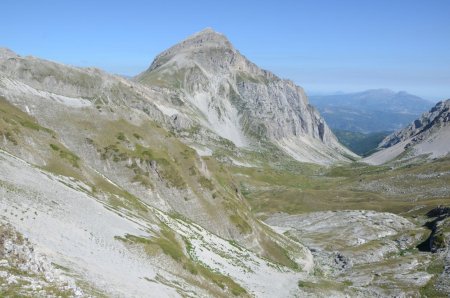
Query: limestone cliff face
pixel 241 102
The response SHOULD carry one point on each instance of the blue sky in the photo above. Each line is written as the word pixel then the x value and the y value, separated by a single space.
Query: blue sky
pixel 324 46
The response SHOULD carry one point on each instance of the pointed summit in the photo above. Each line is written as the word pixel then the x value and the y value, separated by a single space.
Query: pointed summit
pixel 207 38
pixel 6 53
pixel 206 31
pixel 202 41
pixel 208 34
pixel 241 102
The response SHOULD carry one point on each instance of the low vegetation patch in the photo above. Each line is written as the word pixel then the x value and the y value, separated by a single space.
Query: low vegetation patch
pixel 241 224
pixel 13 121
pixel 65 154
pixel 167 242
pixel 144 158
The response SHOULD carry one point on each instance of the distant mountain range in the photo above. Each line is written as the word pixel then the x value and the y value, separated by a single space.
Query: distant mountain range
pixel 361 120
pixel 370 111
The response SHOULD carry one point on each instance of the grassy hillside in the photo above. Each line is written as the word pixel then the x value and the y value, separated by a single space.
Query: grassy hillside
pixel 390 188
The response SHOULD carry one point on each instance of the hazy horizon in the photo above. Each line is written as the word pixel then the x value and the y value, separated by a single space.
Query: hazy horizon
pixel 314 91
pixel 324 46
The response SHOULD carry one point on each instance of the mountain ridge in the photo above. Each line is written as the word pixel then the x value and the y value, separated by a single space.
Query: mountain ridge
pixel 110 187
pixel 118 145
pixel 427 135
pixel 238 100
pixel 372 110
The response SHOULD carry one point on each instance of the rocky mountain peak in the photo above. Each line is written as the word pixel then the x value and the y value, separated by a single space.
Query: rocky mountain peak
pixel 240 101
pixel 209 35
pixel 207 38
pixel 6 53
pixel 200 43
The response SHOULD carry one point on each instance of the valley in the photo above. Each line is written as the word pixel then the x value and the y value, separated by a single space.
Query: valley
pixel 362 120
pixel 206 176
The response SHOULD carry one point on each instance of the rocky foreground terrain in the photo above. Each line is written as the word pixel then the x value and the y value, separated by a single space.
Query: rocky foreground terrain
pixel 204 176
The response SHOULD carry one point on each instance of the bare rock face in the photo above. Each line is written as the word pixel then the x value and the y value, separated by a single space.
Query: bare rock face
pixel 428 135
pixel 437 117
pixel 241 102
pixel 6 53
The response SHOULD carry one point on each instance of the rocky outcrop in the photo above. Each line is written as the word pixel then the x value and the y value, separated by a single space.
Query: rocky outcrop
pixel 371 251
pixel 20 264
pixel 428 135
pixel 241 102
pixel 439 244
pixel 438 241
pixel 420 129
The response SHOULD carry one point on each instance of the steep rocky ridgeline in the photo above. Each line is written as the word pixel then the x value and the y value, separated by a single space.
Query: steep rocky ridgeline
pixel 429 135
pixel 126 147
pixel 116 187
pixel 437 117
pixel 241 102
